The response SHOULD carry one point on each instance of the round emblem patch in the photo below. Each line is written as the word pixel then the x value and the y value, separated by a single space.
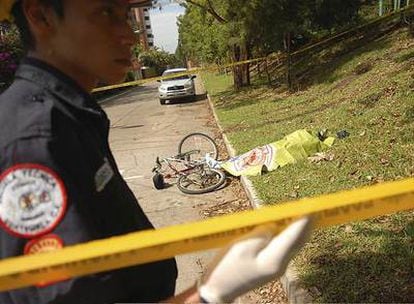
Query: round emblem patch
pixel 47 243
pixel 32 200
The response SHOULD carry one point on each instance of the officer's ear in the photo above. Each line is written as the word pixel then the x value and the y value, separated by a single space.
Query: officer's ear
pixel 40 17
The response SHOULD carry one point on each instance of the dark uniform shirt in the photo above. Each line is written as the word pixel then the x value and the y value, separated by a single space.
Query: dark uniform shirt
pixel 50 126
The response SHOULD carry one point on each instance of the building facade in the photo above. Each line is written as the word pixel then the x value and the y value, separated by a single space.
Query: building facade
pixel 142 22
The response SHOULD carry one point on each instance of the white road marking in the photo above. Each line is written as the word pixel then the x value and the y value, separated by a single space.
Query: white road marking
pixel 134 177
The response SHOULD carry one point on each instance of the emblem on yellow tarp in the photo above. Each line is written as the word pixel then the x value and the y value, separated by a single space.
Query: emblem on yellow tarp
pixel 5 8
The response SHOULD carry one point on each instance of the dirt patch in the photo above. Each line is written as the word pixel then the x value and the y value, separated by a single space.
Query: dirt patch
pixel 343 83
pixel 363 67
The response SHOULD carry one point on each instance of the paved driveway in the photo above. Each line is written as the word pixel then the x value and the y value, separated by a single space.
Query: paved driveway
pixel 142 129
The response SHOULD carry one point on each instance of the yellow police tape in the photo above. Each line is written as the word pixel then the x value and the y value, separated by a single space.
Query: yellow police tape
pixel 149 246
pixel 304 49
pixel 192 71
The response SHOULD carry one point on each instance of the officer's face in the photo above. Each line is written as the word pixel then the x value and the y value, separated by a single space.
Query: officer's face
pixel 94 37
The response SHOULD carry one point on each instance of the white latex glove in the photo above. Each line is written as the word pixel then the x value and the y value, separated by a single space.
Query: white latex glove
pixel 255 260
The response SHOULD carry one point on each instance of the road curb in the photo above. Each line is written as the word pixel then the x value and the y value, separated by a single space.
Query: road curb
pixel 289 280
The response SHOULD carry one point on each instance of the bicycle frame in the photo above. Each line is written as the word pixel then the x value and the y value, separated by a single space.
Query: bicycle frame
pixel 170 162
pixel 198 173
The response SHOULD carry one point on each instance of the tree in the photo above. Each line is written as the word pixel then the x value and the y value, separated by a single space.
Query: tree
pixel 212 30
pixel 244 27
pixel 201 38
pixel 333 14
pixel 158 59
pixel 11 51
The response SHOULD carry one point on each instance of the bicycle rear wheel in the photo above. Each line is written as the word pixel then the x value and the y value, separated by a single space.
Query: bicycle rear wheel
pixel 201 182
pixel 200 144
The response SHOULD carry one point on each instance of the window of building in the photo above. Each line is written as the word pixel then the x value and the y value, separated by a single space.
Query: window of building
pixel 146 18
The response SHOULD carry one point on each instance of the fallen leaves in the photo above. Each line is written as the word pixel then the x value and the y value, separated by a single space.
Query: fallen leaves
pixel 384 161
pixel 294 194
pixel 349 229
pixel 321 156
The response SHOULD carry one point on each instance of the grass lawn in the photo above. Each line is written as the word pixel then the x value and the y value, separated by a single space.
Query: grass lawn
pixel 369 261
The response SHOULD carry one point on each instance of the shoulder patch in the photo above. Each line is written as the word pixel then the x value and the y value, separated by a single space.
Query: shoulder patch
pixel 32 200
pixel 44 244
pixel 47 243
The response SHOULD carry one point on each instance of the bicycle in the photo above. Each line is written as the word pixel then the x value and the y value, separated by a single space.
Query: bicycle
pixel 193 174
pixel 201 144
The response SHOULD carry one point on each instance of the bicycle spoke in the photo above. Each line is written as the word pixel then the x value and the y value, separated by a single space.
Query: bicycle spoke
pixel 199 145
pixel 192 182
pixel 201 181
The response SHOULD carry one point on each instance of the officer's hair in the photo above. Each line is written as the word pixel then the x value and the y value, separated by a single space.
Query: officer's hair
pixel 20 20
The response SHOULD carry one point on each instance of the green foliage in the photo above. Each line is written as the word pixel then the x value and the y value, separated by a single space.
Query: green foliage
pixel 259 26
pixel 158 59
pixel 202 39
pixel 137 50
pixel 130 76
pixel 11 52
pixel 334 14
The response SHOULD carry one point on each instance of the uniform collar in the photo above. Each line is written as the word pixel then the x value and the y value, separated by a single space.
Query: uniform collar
pixel 56 82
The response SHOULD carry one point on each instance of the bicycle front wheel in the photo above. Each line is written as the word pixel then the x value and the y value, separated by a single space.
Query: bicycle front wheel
pixel 199 145
pixel 201 182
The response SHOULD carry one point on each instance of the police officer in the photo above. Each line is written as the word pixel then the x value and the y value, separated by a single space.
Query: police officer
pixel 59 183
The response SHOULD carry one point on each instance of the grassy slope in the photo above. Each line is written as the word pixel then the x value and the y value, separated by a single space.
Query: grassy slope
pixel 371 261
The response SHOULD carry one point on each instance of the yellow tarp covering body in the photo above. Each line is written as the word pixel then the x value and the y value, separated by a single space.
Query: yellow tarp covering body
pixel 292 148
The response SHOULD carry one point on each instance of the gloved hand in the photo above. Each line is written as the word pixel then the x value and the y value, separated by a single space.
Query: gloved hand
pixel 258 258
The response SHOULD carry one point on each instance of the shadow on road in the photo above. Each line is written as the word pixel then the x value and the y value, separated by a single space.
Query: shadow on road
pixel 128 96
pixel 198 97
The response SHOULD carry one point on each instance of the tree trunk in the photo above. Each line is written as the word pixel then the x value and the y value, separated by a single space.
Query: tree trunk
pixel 241 72
pixel 269 79
pixel 247 69
pixel 237 70
pixel 288 43
pixel 243 66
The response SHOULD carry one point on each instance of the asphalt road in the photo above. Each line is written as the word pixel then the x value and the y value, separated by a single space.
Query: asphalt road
pixel 141 130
